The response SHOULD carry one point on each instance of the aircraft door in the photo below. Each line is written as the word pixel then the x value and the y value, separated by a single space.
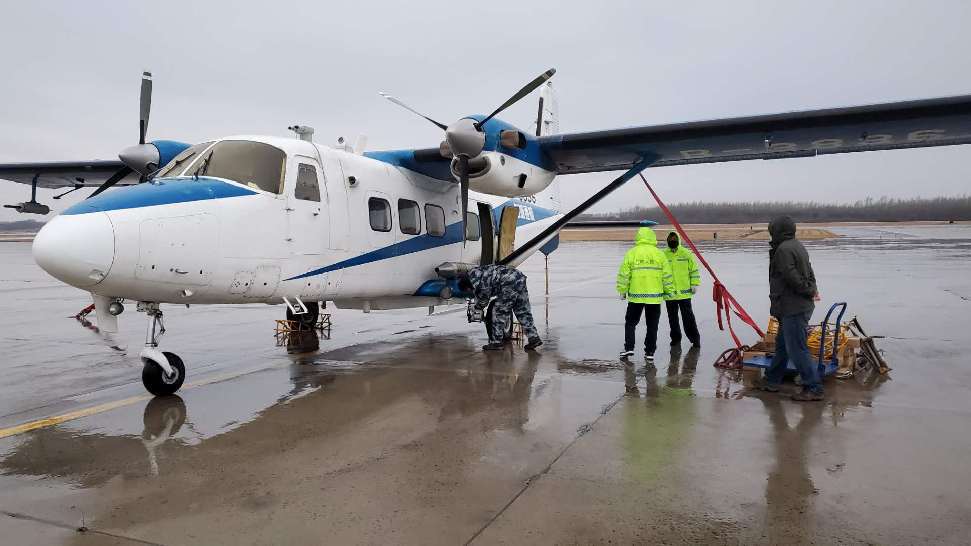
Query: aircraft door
pixel 472 252
pixel 307 229
pixel 488 238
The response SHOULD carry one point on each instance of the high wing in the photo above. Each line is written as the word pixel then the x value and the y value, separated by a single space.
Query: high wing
pixel 65 174
pixel 912 124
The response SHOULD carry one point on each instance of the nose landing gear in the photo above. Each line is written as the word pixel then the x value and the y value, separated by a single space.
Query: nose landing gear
pixel 163 372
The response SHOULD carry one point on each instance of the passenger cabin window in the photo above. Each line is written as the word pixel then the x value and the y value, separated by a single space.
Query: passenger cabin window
pixel 409 217
pixel 254 164
pixel 379 213
pixel 307 188
pixel 181 161
pixel 435 220
pixel 473 231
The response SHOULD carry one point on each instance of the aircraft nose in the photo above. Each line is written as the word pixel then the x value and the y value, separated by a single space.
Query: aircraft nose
pixel 76 248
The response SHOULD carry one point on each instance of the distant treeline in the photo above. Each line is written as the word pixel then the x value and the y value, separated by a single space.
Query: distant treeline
pixel 743 212
pixel 21 225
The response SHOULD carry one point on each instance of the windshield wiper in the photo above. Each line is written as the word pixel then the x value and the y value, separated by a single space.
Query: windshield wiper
pixel 204 167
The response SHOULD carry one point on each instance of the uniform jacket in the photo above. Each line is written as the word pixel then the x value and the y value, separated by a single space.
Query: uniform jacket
pixel 490 281
pixel 792 283
pixel 684 269
pixel 645 274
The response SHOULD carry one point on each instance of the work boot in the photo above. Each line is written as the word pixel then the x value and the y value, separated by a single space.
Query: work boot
pixel 533 343
pixel 495 345
pixel 807 395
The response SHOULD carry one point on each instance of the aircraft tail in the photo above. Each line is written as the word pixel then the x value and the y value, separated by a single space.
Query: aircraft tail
pixel 548 123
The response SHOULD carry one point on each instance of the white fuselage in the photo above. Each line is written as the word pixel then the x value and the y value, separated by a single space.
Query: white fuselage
pixel 212 239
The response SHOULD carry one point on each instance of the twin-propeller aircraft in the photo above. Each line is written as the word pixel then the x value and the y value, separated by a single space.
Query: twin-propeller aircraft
pixel 263 219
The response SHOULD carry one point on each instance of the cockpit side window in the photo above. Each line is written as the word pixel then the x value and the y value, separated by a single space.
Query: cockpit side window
pixel 254 164
pixel 307 187
pixel 181 161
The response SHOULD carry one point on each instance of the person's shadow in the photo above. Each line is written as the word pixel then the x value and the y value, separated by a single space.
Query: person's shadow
pixel 789 489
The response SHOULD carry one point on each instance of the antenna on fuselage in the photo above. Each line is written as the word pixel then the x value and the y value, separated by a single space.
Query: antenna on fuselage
pixel 303 132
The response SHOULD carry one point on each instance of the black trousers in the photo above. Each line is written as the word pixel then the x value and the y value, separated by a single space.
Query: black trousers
pixel 687 315
pixel 652 312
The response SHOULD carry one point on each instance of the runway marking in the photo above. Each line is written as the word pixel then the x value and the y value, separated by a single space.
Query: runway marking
pixel 70 416
pixel 108 406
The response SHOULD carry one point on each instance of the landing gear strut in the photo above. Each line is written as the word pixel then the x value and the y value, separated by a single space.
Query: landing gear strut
pixel 306 320
pixel 163 372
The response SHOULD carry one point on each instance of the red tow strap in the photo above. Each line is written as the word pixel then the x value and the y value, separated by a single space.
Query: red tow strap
pixel 725 302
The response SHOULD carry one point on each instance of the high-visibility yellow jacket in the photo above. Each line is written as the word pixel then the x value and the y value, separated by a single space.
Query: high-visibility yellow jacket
pixel 645 274
pixel 685 270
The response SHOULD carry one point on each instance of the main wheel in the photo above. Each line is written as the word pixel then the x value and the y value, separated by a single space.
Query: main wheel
pixel 159 383
pixel 306 320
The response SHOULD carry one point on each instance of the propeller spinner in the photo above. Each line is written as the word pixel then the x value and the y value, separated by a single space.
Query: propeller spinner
pixel 465 138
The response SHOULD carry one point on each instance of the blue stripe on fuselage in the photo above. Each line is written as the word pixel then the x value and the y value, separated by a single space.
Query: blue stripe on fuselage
pixel 162 191
pixel 539 213
pixel 453 234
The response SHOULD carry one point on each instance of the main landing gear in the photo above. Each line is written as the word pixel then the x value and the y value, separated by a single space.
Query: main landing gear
pixel 163 372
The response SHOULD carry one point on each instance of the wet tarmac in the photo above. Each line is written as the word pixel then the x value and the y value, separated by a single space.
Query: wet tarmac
pixel 398 429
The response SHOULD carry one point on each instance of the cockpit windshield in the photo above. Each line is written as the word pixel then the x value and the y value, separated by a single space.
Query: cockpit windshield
pixel 181 161
pixel 254 164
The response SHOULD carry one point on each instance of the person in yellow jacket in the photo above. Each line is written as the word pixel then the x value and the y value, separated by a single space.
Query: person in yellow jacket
pixel 644 280
pixel 686 281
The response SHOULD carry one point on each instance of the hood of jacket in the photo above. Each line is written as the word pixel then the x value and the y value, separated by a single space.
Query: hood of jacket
pixel 781 229
pixel 645 236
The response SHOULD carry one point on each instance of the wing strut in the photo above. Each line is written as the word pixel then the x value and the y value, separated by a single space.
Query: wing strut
pixel 520 254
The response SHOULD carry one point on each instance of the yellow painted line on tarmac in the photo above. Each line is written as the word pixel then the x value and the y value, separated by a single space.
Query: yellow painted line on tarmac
pixel 108 406
pixel 70 416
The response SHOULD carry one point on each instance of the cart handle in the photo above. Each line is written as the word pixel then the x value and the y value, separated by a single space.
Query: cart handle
pixel 836 337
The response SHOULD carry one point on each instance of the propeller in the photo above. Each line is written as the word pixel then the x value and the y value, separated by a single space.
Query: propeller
pixel 140 157
pixel 465 138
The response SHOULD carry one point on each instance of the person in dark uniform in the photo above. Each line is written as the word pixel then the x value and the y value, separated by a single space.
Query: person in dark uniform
pixel 505 287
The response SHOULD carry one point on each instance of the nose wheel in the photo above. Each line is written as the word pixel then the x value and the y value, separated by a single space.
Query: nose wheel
pixel 157 380
pixel 163 372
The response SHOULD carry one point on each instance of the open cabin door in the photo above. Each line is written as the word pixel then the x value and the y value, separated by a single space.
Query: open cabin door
pixel 488 254
pixel 507 230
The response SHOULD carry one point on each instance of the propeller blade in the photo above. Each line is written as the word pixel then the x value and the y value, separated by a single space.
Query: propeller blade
pixel 112 180
pixel 464 185
pixel 527 89
pixel 145 107
pixel 441 126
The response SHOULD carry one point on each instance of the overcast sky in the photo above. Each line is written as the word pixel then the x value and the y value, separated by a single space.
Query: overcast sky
pixel 71 77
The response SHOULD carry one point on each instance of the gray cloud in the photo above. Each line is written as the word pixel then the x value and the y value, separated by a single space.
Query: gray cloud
pixel 71 75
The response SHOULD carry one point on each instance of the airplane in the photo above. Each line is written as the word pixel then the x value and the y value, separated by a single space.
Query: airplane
pixel 267 219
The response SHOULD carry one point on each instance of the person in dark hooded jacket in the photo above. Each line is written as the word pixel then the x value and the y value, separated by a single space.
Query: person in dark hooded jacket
pixel 792 292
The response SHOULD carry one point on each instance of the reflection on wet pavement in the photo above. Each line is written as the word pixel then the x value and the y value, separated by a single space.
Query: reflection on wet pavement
pixel 398 429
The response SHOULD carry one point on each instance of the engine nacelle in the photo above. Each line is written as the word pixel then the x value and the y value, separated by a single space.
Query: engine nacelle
pixel 500 174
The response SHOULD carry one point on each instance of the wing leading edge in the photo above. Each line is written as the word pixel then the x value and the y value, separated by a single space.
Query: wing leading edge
pixel 912 124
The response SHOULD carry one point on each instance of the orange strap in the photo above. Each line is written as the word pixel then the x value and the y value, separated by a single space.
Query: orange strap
pixel 724 301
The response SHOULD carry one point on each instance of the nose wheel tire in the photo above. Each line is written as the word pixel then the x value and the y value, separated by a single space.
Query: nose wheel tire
pixel 159 383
